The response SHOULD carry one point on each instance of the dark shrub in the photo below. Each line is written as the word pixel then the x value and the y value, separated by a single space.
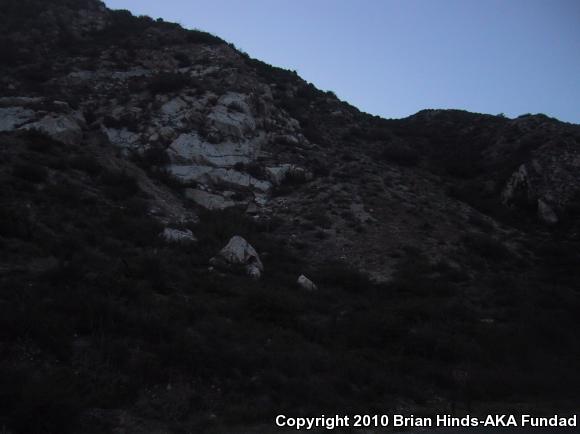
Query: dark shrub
pixel 486 246
pixel 183 60
pixel 30 172
pixel 39 403
pixel 86 163
pixel 319 218
pixel 199 37
pixel 341 275
pixel 119 185
pixel 166 82
pixel 400 154
pixel 154 156
pixel 255 169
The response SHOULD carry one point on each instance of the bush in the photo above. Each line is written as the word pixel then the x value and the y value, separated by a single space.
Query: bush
pixel 400 154
pixel 199 37
pixel 30 172
pixel 166 82
pixel 36 403
pixel 119 185
pixel 341 275
pixel 486 246
pixel 153 156
pixel 254 169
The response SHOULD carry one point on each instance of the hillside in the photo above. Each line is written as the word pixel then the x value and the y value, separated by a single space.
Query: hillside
pixel 444 246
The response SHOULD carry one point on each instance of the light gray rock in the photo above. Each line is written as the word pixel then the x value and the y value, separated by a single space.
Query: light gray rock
pixel 232 116
pixel 64 128
pixel 192 148
pixel 221 178
pixel 13 117
pixel 178 235
pixel 546 214
pixel 122 138
pixel 208 200
pixel 517 185
pixel 238 254
pixel 305 283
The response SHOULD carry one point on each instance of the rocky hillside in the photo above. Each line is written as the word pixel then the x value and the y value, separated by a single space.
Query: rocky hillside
pixel 163 192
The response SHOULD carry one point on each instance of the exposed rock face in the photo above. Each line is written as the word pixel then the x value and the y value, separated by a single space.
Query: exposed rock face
pixel 178 235
pixel 306 284
pixel 61 123
pixel 191 148
pixel 237 255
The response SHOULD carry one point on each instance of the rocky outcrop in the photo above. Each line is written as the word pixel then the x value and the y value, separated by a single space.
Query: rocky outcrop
pixel 191 148
pixel 238 255
pixel 53 118
pixel 306 284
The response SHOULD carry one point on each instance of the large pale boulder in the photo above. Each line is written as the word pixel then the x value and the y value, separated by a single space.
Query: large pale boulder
pixel 239 255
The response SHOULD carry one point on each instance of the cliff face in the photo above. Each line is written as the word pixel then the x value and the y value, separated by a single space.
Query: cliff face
pixel 118 130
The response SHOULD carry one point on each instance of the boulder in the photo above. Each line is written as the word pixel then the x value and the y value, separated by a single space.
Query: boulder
pixel 305 283
pixel 178 235
pixel 239 255
pixel 546 214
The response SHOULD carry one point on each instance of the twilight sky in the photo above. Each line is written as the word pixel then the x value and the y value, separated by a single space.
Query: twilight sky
pixel 395 57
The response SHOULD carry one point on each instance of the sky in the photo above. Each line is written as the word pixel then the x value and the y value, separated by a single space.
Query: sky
pixel 393 58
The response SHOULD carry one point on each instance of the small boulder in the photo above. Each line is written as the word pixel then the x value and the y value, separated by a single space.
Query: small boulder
pixel 546 213
pixel 178 235
pixel 239 255
pixel 307 284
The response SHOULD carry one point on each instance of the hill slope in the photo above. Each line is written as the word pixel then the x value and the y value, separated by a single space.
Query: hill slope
pixel 444 245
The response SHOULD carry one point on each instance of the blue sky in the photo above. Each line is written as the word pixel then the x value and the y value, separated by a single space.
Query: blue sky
pixel 395 57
